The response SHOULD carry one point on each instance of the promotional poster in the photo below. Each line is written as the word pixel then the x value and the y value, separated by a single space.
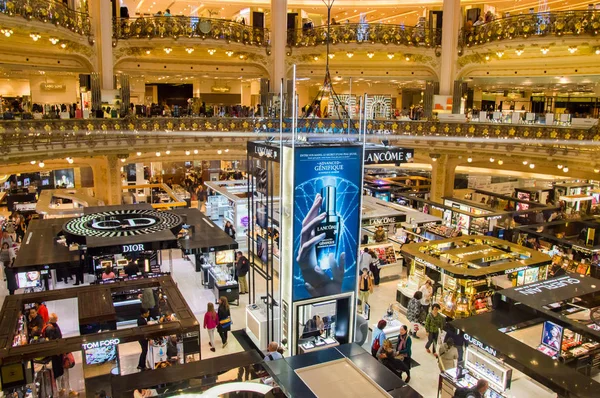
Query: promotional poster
pixel 326 220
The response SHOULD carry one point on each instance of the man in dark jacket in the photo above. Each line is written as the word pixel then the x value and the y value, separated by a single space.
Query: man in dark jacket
pixel 242 267
pixel 143 321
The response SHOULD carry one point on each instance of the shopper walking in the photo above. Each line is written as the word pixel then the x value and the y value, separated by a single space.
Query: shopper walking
pixel 143 321
pixel 211 320
pixel 413 313
pixel 404 350
pixel 273 352
pixel 364 259
pixel 242 267
pixel 374 267
pixel 447 355
pixel 61 362
pixel 433 324
pixel 427 290
pixel 224 320
pixel 7 257
pixel 378 337
pixel 365 287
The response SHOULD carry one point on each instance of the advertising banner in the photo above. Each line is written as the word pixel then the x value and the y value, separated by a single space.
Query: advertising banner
pixel 326 220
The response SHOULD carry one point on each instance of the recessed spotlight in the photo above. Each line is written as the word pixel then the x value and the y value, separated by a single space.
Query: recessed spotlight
pixel 187 153
pixel 525 163
pixel 219 152
pixel 195 151
pixel 370 54
pixel 469 159
pixel 560 166
pixel 122 160
pixel 33 162
pixel 565 169
pixel 390 55
pixel 158 154
pixel 189 50
pixel 501 162
pixel 35 36
pixel 226 150
pixel 492 160
pixel 69 160
pixel 350 54
pixel 42 164
pixel 167 152
pixel 532 166
pixel 139 154
pixel 168 50
pixel 331 56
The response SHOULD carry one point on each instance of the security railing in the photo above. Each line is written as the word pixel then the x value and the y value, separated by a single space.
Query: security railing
pixel 565 23
pixel 175 27
pixel 50 12
pixel 366 33
pixel 91 132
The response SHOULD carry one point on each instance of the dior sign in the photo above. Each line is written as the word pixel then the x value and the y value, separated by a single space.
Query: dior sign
pixel 388 155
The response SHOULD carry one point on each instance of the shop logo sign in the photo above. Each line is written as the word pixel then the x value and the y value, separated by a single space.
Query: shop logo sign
pixel 551 284
pixel 425 263
pixel 517 269
pixel 124 223
pixel 133 248
pixel 388 155
pixel 263 151
pixel 472 340
pixel 100 344
pixel 383 220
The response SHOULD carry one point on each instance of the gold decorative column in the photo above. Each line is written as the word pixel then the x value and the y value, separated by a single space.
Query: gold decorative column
pixel 442 177
pixel 107 180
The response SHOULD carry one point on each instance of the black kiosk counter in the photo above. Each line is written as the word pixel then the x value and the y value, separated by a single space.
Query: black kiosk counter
pixel 213 252
pixel 100 336
pixel 547 330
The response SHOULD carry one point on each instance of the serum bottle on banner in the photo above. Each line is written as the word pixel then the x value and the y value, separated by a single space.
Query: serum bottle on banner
pixel 330 226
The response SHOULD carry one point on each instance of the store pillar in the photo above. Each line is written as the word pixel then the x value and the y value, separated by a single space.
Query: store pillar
pixel 101 12
pixel 442 177
pixel 278 43
pixel 450 31
pixel 107 180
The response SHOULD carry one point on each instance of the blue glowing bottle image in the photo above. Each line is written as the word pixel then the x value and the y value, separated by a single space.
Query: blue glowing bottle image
pixel 330 226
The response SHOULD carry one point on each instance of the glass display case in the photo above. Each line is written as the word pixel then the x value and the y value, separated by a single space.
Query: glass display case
pixel 483 366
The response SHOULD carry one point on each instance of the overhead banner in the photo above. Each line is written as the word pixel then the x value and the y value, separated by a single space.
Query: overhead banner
pixel 388 155
pixel 326 220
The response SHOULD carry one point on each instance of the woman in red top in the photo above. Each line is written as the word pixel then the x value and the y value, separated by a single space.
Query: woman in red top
pixel 42 310
pixel 211 320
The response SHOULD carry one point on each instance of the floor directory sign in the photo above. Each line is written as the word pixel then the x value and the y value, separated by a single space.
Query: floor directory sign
pixel 326 220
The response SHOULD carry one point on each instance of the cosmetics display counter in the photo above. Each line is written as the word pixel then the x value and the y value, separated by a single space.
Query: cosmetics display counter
pixel 228 200
pixel 51 203
pixel 467 270
pixel 99 338
pixel 256 324
pixel 320 343
pixel 222 283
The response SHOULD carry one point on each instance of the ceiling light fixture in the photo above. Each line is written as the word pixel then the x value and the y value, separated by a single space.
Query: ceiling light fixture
pixel 33 162
pixel 6 32
pixel 189 50
pixel 565 169
pixel 560 166
pixel 158 154
pixel 187 153
pixel 598 51
pixel 331 55
pixel 501 162
pixel 63 45
pixel 42 164
pixel 168 50
pixel 226 150
pixel 544 50
pixel 532 166
pixel 500 54
pixel 596 170
pixel 519 51
pixel 370 54
pixel 572 49
pixel 195 151
pixel 350 54
pixel 53 40
pixel 487 57
pixel 219 152
pixel 229 53
pixel 167 152
pixel 35 36
pixel 390 55
pixel 316 57
pixel 148 52
pixel 139 154
pixel 122 160
pixel 242 56
pixel 407 58
pixel 212 51
pixel 469 159
pixel 525 163
pixel 70 160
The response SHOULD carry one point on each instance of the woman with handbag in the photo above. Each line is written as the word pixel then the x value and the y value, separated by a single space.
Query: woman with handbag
pixel 387 356
pixel 404 350
pixel 224 320
pixel 211 321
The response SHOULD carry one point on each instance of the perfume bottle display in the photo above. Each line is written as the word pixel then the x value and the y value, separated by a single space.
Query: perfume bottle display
pixel 330 226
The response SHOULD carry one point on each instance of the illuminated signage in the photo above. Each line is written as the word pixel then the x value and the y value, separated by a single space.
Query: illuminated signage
pixel 551 284
pixel 517 269
pixel 100 344
pixel 263 151
pixel 220 89
pixel 133 248
pixel 124 223
pixel 388 155
pixel 472 340
pixel 425 263
pixel 383 220
pixel 52 87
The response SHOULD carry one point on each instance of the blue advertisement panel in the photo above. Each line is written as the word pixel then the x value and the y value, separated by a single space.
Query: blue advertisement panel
pixel 326 220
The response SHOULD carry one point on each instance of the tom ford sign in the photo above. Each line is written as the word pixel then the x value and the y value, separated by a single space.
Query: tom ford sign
pixel 100 344
pixel 388 155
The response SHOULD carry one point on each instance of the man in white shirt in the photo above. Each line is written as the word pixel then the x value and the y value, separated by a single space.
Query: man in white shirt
pixel 365 259
pixel 272 353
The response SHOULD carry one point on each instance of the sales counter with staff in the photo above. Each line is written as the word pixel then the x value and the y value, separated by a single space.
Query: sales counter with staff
pixel 228 201
pixel 467 270
pixel 533 340
pixel 212 251
pixel 102 329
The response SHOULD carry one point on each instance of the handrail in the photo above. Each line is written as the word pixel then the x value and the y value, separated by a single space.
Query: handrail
pixel 57 131
pixel 180 26
pixel 366 33
pixel 49 11
pixel 557 23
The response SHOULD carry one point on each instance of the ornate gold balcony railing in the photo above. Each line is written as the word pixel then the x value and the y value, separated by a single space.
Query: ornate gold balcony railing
pixel 45 134
pixel 417 36
pixel 565 23
pixel 50 12
pixel 175 27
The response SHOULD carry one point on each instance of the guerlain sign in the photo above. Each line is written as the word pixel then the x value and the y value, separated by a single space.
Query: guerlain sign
pixel 547 285
pixel 388 155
